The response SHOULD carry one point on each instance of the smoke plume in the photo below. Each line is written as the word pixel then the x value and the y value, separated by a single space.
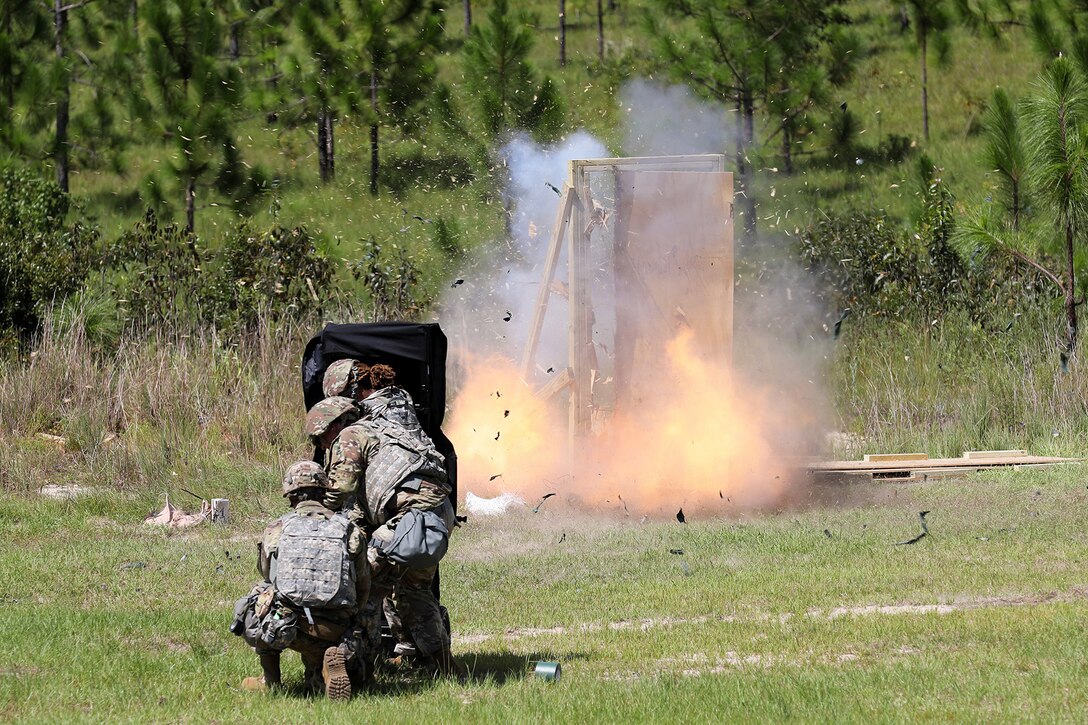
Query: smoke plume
pixel 691 427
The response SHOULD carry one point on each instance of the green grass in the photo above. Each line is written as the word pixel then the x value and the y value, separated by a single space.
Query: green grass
pixel 744 633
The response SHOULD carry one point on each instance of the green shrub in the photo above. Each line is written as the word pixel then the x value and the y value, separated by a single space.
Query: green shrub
pixel 278 273
pixel 862 263
pixel 158 272
pixel 42 258
pixel 391 283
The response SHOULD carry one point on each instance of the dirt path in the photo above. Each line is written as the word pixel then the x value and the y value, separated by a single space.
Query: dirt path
pixel 957 605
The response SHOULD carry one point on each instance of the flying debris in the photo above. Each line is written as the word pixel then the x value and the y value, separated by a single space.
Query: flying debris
pixel 563 537
pixel 494 477
pixel 919 537
pixel 536 508
pixel 678 552
pixel 506 414
pixel 506 317
pixel 827 533
pixel 553 188
pixel 838 323
pixel 625 511
pixel 457 283
pixel 680 516
pixel 498 434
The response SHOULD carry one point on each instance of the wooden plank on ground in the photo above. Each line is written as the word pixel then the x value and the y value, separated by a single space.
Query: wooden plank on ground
pixel 873 457
pixel 979 463
pixel 979 455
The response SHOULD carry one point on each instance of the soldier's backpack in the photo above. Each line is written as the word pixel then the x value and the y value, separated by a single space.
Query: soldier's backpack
pixel 313 567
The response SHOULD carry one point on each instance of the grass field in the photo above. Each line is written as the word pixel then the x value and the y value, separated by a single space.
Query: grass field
pixel 811 613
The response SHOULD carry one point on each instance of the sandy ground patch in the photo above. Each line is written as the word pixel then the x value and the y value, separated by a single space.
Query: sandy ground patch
pixel 957 605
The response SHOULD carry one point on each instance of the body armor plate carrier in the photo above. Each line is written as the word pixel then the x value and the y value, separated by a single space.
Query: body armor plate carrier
pixel 405 450
pixel 313 568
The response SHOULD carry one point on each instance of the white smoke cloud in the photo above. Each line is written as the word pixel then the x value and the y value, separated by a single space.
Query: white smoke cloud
pixel 666 120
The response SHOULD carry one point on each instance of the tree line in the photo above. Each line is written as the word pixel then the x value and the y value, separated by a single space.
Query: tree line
pixel 83 80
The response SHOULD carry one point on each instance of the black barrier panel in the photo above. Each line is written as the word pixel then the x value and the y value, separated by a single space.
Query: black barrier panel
pixel 416 351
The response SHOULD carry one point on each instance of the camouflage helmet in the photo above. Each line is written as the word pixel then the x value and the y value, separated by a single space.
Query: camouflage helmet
pixel 337 377
pixel 304 474
pixel 328 411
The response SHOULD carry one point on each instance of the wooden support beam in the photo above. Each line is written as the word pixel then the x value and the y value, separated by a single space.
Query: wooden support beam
pixel 580 342
pixel 567 200
pixel 556 384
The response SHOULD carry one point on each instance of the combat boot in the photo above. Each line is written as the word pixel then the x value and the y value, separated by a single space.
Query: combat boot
pixel 334 671
pixel 270 679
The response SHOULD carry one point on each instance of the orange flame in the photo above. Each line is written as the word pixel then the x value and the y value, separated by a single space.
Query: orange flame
pixel 697 440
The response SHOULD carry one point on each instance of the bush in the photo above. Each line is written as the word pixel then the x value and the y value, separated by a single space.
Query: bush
pixel 159 272
pixel 869 264
pixel 42 259
pixel 391 284
pixel 164 273
pixel 276 273
pixel 862 262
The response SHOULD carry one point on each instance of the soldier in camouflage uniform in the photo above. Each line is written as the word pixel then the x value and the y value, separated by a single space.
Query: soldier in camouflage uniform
pixel 353 379
pixel 380 468
pixel 345 377
pixel 316 579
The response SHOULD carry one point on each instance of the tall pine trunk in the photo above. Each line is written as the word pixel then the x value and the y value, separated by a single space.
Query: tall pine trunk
pixel 748 112
pixel 787 148
pixel 562 32
pixel 322 147
pixel 235 40
pixel 1070 291
pixel 925 87
pixel 330 144
pixel 600 29
pixel 60 142
pixel 190 204
pixel 374 133
pixel 468 16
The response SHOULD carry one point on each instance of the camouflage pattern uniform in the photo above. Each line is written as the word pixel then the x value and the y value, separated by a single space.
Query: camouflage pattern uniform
pixel 330 627
pixel 380 468
pixel 347 377
pixel 340 376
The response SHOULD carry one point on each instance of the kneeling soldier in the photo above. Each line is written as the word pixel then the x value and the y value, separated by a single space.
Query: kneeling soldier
pixel 316 579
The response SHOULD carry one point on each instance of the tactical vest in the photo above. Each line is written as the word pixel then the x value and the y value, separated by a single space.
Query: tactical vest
pixel 394 405
pixel 313 567
pixel 402 454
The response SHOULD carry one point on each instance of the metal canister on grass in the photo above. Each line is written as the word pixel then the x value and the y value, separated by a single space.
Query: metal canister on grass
pixel 548 671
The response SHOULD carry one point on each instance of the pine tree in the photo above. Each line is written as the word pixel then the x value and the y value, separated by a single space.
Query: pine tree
pixel 508 92
pixel 25 34
pixel 743 53
pixel 1005 151
pixel 1055 129
pixel 319 68
pixel 191 92
pixel 396 43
